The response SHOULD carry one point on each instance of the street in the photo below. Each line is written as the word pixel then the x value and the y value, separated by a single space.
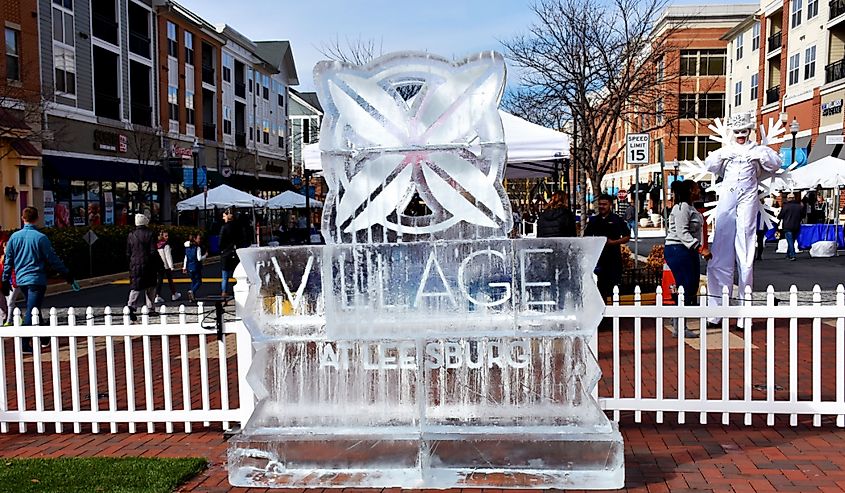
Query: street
pixel 777 271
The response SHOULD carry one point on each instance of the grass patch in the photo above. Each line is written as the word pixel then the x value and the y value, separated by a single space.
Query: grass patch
pixel 97 474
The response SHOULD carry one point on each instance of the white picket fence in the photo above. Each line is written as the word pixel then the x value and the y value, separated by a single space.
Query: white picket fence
pixel 154 372
pixel 171 376
pixel 756 370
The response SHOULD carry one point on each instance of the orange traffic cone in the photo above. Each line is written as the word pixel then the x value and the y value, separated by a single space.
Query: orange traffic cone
pixel 668 285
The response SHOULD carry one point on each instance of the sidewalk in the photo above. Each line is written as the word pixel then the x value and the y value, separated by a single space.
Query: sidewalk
pixel 664 457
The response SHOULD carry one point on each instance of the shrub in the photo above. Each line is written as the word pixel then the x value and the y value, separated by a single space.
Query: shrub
pixel 108 253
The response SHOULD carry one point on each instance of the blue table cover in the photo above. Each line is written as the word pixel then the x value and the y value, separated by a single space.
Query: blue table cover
pixel 811 233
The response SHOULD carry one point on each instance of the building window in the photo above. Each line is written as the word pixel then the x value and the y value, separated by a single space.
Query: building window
pixel 22 175
pixel 691 147
pixel 189 108
pixel 173 103
pixel 63 26
pixel 228 61
pixel 661 69
pixel 703 62
pixel 812 9
pixel 809 62
pixel 172 42
pixel 64 65
pixel 738 43
pixel 711 105
pixel 265 83
pixel 796 13
pixel 13 54
pixel 686 107
pixel 659 111
pixel 738 94
pixel 755 36
pixel 189 48
pixel 249 77
pixel 227 120
pixel 794 64
pixel 306 132
pixel 754 85
pixel 68 4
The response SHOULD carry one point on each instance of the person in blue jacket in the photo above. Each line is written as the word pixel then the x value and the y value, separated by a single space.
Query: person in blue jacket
pixel 28 254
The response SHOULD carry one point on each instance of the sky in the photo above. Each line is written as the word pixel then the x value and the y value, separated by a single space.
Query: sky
pixel 450 28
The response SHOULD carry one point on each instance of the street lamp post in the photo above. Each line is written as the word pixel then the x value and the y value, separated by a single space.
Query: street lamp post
pixel 307 175
pixel 793 129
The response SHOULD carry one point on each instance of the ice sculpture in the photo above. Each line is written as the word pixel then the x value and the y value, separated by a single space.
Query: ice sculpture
pixel 421 347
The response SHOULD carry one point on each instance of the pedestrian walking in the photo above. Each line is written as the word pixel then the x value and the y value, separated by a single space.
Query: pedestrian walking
pixel 557 220
pixel 144 264
pixel 231 237
pixel 790 217
pixel 684 244
pixel 28 255
pixel 192 265
pixel 166 271
pixel 607 224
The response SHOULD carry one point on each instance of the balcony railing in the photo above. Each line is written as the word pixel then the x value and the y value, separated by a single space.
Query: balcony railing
pixel 240 89
pixel 834 71
pixel 107 106
pixel 209 131
pixel 240 139
pixel 772 94
pixel 774 41
pixel 837 8
pixel 142 114
pixel 208 74
pixel 104 28
pixel 139 44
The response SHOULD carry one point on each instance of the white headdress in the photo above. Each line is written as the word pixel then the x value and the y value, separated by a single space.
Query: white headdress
pixel 742 121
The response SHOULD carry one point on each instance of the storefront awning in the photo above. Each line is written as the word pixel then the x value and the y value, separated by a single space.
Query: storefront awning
pixel 822 149
pixel 73 168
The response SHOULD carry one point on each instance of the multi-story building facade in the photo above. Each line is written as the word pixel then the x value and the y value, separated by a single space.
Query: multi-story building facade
pixel 800 67
pixel 694 92
pixel 20 111
pixel 144 95
pixel 98 70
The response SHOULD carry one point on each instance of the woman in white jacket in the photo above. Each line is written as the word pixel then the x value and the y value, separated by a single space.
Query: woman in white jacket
pixel 166 255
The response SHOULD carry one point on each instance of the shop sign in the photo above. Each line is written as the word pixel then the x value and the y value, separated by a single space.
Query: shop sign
pixel 832 107
pixel 109 141
pixel 49 209
pixel 180 152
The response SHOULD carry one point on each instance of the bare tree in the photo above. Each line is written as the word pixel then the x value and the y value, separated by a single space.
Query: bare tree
pixel 528 105
pixel 144 145
pixel 23 113
pixel 603 63
pixel 357 51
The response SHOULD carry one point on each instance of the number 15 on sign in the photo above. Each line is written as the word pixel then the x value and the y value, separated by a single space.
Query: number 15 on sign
pixel 637 148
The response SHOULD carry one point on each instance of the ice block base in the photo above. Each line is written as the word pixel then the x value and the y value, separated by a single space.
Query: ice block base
pixel 437 457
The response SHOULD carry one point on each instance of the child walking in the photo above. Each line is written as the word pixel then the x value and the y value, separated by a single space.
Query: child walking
pixel 192 265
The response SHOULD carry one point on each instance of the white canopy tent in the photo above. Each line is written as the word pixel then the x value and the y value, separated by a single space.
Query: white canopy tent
pixel 532 149
pixel 220 197
pixel 292 200
pixel 827 172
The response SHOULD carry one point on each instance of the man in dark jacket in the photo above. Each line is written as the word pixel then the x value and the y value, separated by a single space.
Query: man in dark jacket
pixel 790 216
pixel 143 264
pixel 607 224
pixel 231 237
pixel 557 220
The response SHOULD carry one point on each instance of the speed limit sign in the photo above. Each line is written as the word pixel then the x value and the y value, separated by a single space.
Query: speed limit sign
pixel 637 148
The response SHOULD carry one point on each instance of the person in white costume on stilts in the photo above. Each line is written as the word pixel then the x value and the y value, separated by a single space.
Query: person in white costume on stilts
pixel 740 164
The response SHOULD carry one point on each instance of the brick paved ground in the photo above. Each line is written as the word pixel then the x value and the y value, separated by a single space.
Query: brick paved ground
pixel 659 457
pixel 676 458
